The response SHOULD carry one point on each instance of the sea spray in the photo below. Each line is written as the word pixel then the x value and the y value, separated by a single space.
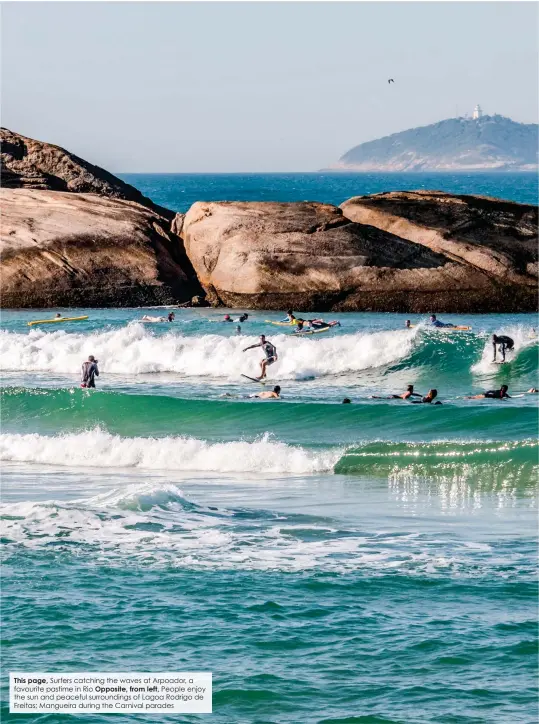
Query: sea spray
pixel 135 350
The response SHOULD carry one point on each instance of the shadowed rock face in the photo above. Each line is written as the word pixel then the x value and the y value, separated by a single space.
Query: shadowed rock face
pixel 309 256
pixel 27 163
pixel 62 249
pixel 496 237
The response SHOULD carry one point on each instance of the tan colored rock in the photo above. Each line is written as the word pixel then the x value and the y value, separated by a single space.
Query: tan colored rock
pixel 308 256
pixel 496 237
pixel 65 249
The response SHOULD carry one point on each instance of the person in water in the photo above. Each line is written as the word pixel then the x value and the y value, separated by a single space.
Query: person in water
pixel 428 399
pixel 434 322
pixel 503 343
pixel 274 394
pixel 346 401
pixel 58 316
pixel 227 318
pixel 238 329
pixel 89 372
pixel 269 350
pixel 171 317
pixel 500 394
pixel 289 317
pixel 243 318
pixel 403 396
pixel 408 324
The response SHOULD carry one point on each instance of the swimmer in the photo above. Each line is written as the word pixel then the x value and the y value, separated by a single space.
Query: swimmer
pixel 227 318
pixel 238 329
pixel 243 318
pixel 503 343
pixel 346 401
pixel 269 350
pixel 404 396
pixel 428 399
pixel 500 394
pixel 274 394
pixel 171 317
pixel 408 324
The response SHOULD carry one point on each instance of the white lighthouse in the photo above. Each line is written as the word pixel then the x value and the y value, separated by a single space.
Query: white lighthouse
pixel 477 112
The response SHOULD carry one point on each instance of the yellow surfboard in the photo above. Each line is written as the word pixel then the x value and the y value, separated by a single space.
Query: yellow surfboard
pixel 281 324
pixel 457 328
pixel 56 321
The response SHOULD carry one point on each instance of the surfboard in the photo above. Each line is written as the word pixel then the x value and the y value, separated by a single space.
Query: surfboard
pixel 253 379
pixel 56 321
pixel 281 324
pixel 310 331
pixel 457 328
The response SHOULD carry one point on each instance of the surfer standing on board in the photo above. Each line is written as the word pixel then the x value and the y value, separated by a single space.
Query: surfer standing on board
pixel 503 343
pixel 269 350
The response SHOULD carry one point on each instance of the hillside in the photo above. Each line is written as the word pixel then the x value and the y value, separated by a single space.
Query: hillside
pixel 456 144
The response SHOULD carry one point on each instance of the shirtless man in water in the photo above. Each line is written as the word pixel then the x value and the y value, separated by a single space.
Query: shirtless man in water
pixel 274 394
pixel 404 396
pixel 269 350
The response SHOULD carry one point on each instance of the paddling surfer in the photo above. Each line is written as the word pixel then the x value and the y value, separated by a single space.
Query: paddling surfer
pixel 269 350
pixel 274 394
pixel 500 394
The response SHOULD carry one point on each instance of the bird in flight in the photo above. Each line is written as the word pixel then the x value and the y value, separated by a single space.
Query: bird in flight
pixel 391 80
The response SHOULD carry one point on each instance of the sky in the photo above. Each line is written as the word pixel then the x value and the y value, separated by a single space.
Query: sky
pixel 256 86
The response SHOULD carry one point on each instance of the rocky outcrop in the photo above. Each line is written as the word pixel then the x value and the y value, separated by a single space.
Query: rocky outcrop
pixel 310 256
pixel 498 238
pixel 67 249
pixel 27 163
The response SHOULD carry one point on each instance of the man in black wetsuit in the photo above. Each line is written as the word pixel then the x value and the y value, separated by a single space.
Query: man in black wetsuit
pixel 89 372
pixel 269 350
pixel 502 342
pixel 500 394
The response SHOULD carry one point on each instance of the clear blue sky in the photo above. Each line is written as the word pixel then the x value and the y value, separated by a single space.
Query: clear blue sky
pixel 184 87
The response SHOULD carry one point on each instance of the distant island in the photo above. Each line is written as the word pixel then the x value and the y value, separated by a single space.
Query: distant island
pixel 481 143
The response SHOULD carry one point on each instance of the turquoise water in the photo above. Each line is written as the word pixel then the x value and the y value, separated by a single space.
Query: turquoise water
pixel 330 564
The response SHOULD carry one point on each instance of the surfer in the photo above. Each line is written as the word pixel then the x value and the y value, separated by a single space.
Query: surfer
pixel 500 394
pixel 171 317
pixel 289 317
pixel 243 318
pixel 346 401
pixel 58 316
pixel 503 343
pixel 227 318
pixel 238 329
pixel 408 324
pixel 89 372
pixel 428 399
pixel 436 322
pixel 269 350
pixel 274 394
pixel 403 396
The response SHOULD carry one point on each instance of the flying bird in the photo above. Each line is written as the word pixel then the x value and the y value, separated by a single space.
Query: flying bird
pixel 391 80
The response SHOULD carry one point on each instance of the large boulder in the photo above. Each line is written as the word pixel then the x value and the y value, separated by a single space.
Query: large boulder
pixel 309 256
pixel 67 249
pixel 496 237
pixel 27 163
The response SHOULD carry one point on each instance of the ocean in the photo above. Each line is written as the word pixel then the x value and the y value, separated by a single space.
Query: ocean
pixel 367 563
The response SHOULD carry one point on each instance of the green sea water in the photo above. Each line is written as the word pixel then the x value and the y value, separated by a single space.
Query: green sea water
pixel 330 564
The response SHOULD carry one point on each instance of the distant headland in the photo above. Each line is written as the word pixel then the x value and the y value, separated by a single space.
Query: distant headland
pixel 479 143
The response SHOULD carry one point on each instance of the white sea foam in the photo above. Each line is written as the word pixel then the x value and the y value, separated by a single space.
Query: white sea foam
pixel 522 336
pixel 136 350
pixel 97 448
pixel 154 525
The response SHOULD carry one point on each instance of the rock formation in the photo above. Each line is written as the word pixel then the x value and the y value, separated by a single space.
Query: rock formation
pixel 309 256
pixel 75 235
pixel 63 249
pixel 27 163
